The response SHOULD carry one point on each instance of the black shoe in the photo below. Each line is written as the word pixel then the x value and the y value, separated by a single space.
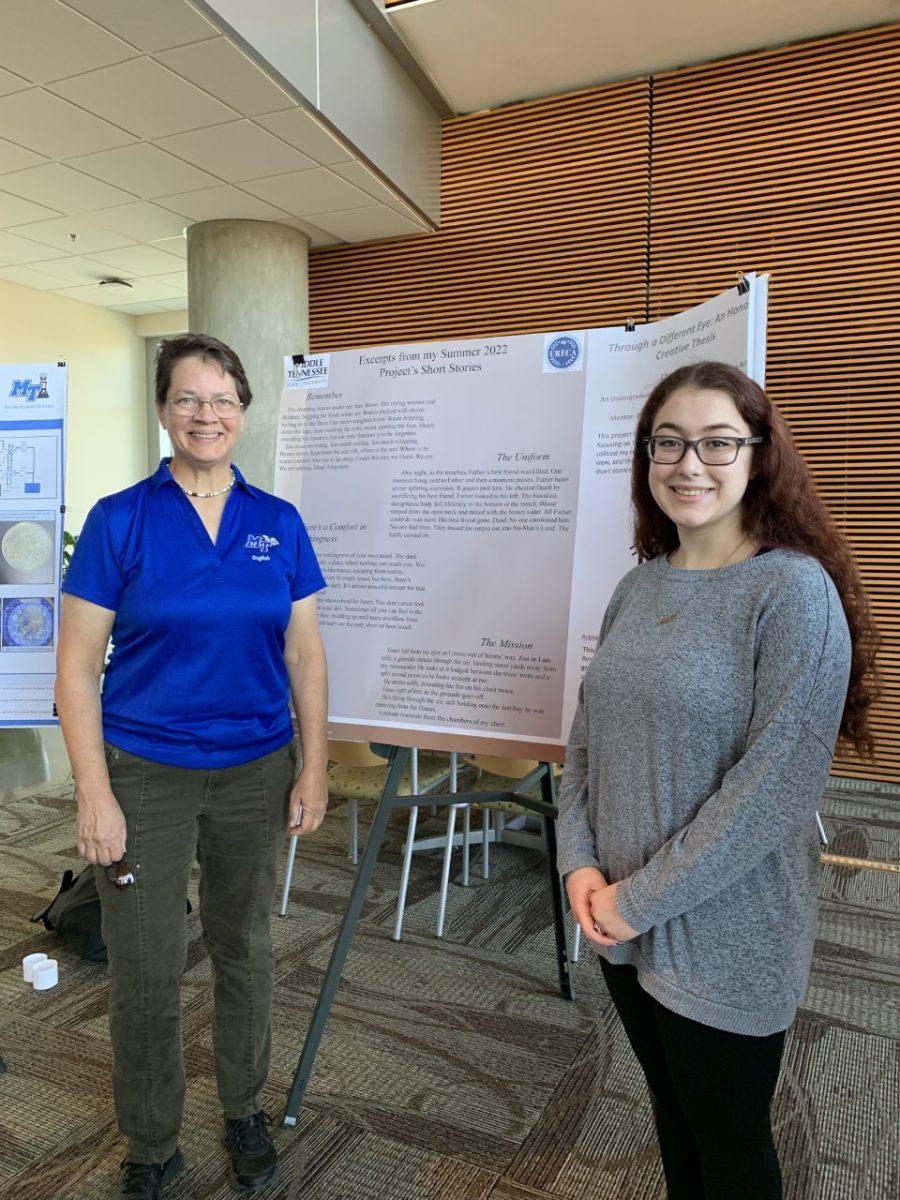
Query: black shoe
pixel 254 1159
pixel 147 1181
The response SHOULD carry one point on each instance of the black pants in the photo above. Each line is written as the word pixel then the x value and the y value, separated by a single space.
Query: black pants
pixel 711 1091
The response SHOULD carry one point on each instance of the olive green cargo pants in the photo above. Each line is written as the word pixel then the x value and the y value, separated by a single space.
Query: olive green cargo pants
pixel 233 821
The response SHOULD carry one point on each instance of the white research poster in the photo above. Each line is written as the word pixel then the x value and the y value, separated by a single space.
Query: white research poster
pixel 32 442
pixel 469 504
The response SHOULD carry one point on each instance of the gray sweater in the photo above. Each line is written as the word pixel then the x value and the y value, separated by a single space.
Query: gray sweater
pixel 697 758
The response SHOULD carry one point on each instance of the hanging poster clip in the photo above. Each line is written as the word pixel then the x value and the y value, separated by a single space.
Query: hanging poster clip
pixel 629 325
pixel 298 360
pixel 743 284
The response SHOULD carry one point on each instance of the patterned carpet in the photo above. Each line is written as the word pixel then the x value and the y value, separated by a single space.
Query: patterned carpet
pixel 450 1070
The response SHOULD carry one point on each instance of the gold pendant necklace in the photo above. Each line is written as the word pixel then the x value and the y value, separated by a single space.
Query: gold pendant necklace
pixel 669 617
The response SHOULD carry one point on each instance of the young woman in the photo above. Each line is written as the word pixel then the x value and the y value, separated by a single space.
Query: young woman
pixel 728 663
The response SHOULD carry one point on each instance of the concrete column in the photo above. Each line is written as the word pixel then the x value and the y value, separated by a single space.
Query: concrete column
pixel 248 286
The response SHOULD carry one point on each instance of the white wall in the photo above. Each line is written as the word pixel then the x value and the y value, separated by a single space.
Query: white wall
pixel 107 416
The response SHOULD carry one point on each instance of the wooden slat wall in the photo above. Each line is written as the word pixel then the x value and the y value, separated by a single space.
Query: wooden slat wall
pixel 643 198
pixel 543 226
pixel 789 161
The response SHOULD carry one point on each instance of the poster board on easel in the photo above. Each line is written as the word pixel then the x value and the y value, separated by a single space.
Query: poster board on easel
pixel 469 503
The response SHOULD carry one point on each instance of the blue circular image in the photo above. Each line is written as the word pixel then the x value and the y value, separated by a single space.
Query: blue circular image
pixel 27 623
pixel 563 352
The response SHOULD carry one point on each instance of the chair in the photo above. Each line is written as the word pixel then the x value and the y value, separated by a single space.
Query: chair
pixel 356 773
pixel 509 772
pixel 511 820
pixel 411 845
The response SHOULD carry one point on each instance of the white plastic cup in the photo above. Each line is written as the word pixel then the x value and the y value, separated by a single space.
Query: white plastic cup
pixel 45 975
pixel 29 962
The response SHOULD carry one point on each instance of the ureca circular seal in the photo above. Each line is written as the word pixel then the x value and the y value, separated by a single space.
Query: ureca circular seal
pixel 562 352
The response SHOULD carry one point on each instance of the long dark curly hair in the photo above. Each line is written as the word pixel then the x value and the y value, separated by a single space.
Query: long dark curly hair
pixel 781 509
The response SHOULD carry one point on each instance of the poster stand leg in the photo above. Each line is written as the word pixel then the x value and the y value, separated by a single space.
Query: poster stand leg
pixel 563 958
pixel 390 799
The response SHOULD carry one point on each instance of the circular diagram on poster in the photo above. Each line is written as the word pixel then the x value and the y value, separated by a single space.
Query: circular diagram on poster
pixel 27 547
pixel 27 624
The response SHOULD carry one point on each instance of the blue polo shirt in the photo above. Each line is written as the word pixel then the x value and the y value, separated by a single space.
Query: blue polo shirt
pixel 197 676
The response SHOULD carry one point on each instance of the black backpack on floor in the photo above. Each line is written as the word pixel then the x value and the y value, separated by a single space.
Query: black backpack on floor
pixel 74 914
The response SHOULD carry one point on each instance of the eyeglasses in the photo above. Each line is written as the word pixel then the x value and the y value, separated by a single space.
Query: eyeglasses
pixel 222 406
pixel 712 451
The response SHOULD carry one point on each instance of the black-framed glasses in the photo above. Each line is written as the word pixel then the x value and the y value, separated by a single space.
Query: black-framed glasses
pixel 222 406
pixel 712 451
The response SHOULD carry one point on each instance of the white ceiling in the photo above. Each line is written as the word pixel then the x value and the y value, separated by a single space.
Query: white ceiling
pixel 124 121
pixel 485 53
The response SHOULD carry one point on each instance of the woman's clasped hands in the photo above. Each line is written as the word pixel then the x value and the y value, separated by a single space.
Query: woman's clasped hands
pixel 593 903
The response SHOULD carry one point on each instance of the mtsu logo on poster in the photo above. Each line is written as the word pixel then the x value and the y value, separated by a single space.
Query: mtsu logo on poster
pixel 29 389
pixel 32 391
pixel 563 352
pixel 311 373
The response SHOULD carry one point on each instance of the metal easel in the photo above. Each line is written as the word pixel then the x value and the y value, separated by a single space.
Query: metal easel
pixel 545 807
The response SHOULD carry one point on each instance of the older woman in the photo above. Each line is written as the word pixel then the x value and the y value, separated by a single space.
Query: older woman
pixel 207 586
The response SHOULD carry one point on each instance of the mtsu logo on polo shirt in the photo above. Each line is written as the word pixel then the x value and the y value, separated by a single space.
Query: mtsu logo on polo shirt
pixel 563 352
pixel 261 542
